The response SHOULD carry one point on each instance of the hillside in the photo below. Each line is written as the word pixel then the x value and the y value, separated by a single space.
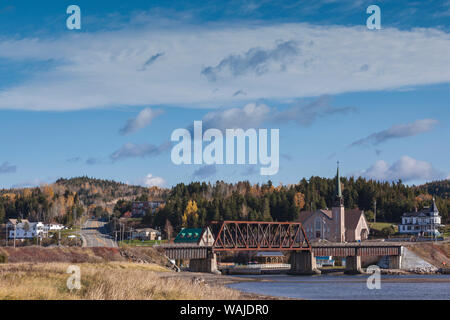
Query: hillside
pixel 437 188
pixel 100 192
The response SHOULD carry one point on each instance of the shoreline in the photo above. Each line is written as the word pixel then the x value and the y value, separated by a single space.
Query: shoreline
pixel 226 280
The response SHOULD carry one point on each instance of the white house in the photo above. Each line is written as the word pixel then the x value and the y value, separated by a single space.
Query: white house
pixel 53 227
pixel 424 222
pixel 24 229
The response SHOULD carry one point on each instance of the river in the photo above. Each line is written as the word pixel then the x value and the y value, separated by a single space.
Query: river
pixel 345 287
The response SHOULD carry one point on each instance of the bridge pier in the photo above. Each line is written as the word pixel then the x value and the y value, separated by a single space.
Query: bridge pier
pixel 353 265
pixel 395 262
pixel 303 263
pixel 208 265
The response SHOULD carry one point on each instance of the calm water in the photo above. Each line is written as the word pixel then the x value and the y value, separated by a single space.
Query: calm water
pixel 343 287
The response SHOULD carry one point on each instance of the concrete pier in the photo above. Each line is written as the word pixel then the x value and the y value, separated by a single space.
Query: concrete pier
pixel 208 265
pixel 303 263
pixel 353 265
pixel 395 262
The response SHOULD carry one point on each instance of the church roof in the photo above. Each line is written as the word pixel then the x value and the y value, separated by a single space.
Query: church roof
pixel 352 216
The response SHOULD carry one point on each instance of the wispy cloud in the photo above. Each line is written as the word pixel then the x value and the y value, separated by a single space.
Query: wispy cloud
pixel 254 115
pixel 398 131
pixel 205 171
pixel 143 119
pixel 406 169
pixel 151 60
pixel 306 114
pixel 309 61
pixel 256 60
pixel 6 167
pixel 131 150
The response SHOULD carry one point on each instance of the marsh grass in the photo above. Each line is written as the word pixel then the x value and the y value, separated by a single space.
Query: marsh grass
pixel 103 281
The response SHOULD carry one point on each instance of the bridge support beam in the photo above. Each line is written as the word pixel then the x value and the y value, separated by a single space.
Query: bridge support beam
pixel 303 263
pixel 208 265
pixel 395 262
pixel 353 265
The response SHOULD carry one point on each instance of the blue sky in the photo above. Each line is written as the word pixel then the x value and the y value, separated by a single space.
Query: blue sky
pixel 103 101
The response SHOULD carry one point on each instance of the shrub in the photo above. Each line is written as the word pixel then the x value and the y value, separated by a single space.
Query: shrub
pixel 3 258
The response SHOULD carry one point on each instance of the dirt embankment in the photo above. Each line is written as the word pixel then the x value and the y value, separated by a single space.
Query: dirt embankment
pixel 38 254
pixel 438 254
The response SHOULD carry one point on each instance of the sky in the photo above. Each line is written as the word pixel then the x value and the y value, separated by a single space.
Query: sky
pixel 103 101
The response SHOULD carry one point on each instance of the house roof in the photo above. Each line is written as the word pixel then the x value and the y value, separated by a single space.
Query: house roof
pixel 16 221
pixel 305 215
pixel 189 235
pixel 352 216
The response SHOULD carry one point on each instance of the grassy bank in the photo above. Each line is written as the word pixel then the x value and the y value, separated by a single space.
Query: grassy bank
pixel 103 281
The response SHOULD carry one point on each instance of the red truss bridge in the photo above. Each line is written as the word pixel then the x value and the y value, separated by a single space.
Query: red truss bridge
pixel 259 236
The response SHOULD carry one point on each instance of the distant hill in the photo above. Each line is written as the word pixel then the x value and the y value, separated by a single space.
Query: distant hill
pixel 98 191
pixel 437 188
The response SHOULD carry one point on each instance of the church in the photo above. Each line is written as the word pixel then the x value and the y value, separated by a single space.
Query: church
pixel 335 225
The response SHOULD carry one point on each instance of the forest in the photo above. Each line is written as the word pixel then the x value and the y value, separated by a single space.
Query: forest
pixel 197 203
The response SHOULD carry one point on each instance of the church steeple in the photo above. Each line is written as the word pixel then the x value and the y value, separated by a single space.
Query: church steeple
pixel 339 200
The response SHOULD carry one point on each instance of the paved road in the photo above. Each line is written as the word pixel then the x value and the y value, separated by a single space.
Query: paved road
pixel 94 234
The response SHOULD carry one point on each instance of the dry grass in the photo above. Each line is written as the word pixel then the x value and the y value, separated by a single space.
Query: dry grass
pixel 103 281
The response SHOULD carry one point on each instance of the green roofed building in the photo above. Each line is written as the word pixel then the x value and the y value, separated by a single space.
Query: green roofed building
pixel 198 236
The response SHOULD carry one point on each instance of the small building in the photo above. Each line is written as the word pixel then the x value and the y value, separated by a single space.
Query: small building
pixel 270 257
pixel 423 222
pixel 145 234
pixel 24 229
pixel 326 261
pixel 201 237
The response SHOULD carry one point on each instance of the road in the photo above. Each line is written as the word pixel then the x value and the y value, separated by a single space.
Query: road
pixel 94 234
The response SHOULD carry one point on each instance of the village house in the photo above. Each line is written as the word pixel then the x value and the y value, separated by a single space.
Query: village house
pixel 145 234
pixel 423 222
pixel 336 225
pixel 24 229
pixel 201 237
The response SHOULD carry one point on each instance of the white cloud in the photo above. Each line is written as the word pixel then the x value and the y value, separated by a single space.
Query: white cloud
pixel 249 116
pixel 399 131
pixel 142 120
pixel 406 169
pixel 104 69
pixel 151 181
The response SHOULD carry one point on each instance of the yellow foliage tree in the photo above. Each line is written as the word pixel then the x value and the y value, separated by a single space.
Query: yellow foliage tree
pixel 299 200
pixel 190 214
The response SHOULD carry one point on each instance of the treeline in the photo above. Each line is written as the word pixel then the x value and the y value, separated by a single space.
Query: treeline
pixel 196 204
pixel 47 203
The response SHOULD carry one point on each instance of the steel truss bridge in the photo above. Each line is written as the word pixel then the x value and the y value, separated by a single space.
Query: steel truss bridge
pixel 272 236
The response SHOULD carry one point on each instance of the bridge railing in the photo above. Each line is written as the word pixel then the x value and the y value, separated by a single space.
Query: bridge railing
pixel 259 236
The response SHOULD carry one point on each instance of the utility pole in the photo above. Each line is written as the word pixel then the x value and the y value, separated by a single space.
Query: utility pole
pixel 6 235
pixel 15 229
pixel 375 210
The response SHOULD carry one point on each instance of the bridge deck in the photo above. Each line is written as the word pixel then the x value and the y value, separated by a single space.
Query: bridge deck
pixel 184 251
